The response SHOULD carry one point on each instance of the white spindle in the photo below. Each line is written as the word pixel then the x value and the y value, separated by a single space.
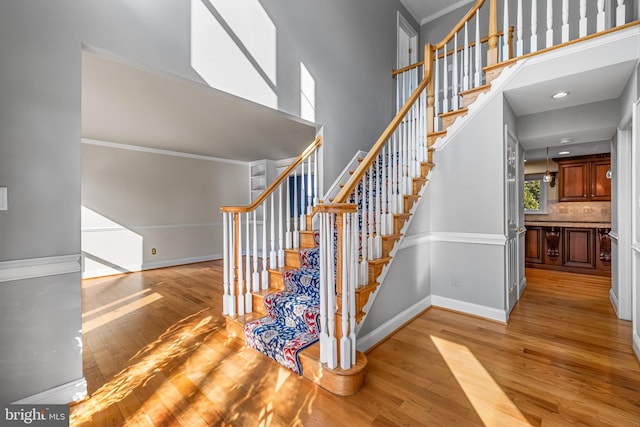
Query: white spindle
pixel 240 275
pixel 505 31
pixel 265 272
pixel 621 14
pixel 309 188
pixel 324 268
pixel 370 215
pixel 225 264
pixel 248 301
pixel 454 92
pixel 534 26
pixel 288 237
pixel 583 19
pixel 549 33
pixel 478 54
pixel 332 350
pixel 364 264
pixel 465 61
pixel 273 262
pixel 255 278
pixel 303 199
pixel 445 85
pixel 377 241
pixel 436 103
pixel 352 285
pixel 565 21
pixel 519 31
pixel 315 178
pixel 296 219
pixel 600 18
pixel 280 229
pixel 232 266
pixel 345 344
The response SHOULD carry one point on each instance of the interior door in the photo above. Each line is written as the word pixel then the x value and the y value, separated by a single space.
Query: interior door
pixel 514 216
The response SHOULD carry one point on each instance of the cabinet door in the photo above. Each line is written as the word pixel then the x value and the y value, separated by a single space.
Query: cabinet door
pixel 573 182
pixel 600 184
pixel 579 248
pixel 533 245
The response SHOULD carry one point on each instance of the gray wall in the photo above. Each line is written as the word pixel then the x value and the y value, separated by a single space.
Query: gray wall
pixel 348 47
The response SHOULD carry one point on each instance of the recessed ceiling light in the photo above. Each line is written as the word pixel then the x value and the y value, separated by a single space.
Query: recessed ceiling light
pixel 562 153
pixel 559 95
pixel 565 140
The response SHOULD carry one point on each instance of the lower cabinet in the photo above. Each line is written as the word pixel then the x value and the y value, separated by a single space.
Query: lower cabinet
pixel 577 250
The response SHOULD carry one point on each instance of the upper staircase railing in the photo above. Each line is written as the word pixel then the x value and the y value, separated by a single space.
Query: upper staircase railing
pixel 272 224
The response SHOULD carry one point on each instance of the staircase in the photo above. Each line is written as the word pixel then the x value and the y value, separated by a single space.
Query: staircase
pixel 299 292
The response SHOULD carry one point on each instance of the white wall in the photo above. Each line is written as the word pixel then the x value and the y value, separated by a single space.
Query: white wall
pixel 133 201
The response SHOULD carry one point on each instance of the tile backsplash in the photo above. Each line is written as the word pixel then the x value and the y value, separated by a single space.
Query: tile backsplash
pixel 574 211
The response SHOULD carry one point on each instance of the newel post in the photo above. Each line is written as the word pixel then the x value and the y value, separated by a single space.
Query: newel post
pixel 492 53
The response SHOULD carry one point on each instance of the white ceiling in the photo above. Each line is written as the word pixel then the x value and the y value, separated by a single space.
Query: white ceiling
pixel 424 11
pixel 126 105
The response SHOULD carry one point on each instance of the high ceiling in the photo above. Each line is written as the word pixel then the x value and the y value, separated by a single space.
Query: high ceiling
pixel 427 10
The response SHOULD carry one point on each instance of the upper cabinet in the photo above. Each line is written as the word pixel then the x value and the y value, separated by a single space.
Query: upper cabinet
pixel 584 178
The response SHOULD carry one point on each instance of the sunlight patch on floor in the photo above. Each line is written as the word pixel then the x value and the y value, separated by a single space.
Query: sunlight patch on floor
pixel 490 402
pixel 89 325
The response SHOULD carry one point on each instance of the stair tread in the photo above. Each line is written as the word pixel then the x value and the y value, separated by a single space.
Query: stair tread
pixel 476 89
pixel 459 111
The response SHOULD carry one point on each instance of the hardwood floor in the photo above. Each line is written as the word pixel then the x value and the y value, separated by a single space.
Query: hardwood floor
pixel 156 353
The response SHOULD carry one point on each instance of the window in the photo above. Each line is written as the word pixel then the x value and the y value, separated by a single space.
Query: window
pixel 535 194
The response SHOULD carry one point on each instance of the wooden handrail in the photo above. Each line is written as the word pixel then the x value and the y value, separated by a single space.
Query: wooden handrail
pixel 407 68
pixel 272 187
pixel 344 193
pixel 460 24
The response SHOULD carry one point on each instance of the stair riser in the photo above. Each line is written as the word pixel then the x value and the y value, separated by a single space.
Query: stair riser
pixel 306 239
pixel 291 259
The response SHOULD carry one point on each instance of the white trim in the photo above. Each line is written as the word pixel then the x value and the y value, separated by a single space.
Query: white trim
pixel 636 345
pixel 469 308
pixel 613 235
pixel 414 240
pixel 149 150
pixel 39 267
pixel 73 391
pixel 390 326
pixel 344 174
pixel 148 227
pixel 470 238
pixel 613 299
pixel 132 268
pixel 444 11
pixel 636 248
pixel 523 286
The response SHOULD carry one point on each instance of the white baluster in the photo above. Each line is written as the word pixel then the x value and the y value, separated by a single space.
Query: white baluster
pixel 255 278
pixel 370 215
pixel 296 219
pixel 436 95
pixel 315 178
pixel 352 286
pixel 265 271
pixel 445 83
pixel 549 33
pixel 240 275
pixel 621 13
pixel 455 105
pixel 288 236
pixel 565 21
pixel 583 19
pixel 465 61
pixel 377 242
pixel 534 26
pixel 273 262
pixel 519 31
pixel 345 344
pixel 280 229
pixel 332 350
pixel 600 19
pixel 232 266
pixel 324 268
pixel 303 199
pixel 364 264
pixel 248 300
pixel 505 31
pixel 309 189
pixel 225 264
pixel 478 54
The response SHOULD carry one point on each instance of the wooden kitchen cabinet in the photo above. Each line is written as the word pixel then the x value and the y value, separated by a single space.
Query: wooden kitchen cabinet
pixel 584 178
pixel 534 245
pixel 579 248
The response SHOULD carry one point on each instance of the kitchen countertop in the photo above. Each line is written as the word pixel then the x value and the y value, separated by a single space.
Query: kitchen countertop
pixel 568 224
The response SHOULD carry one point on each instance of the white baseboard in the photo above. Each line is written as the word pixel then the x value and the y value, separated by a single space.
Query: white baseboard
pixel 391 325
pixel 523 286
pixel 72 391
pixel 109 271
pixel 636 345
pixel 469 308
pixel 39 267
pixel 614 301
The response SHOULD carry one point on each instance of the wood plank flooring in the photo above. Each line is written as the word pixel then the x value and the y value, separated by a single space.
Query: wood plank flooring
pixel 156 354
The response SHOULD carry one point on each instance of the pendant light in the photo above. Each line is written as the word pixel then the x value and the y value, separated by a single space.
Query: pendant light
pixel 548 178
